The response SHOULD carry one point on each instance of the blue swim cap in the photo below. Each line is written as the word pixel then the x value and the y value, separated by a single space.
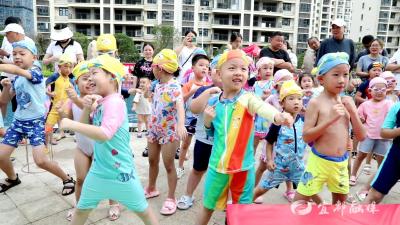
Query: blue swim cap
pixel 26 44
pixel 330 60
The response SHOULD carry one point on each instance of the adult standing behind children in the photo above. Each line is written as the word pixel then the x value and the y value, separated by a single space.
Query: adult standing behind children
pixel 337 43
pixel 143 67
pixel 186 52
pixel 311 54
pixel 374 56
pixel 276 52
pixel 62 43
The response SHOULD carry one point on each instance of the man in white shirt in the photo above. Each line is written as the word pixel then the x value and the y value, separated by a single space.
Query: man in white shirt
pixel 394 66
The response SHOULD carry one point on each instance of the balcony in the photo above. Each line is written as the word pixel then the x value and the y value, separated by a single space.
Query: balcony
pixel 84 18
pixel 134 18
pixel 84 3
pixel 395 8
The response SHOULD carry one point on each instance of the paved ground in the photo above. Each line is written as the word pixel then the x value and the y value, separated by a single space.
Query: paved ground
pixel 38 200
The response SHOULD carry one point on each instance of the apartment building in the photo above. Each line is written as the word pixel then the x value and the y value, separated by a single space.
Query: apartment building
pixel 364 19
pixel 389 24
pixel 19 8
pixel 325 11
pixel 214 20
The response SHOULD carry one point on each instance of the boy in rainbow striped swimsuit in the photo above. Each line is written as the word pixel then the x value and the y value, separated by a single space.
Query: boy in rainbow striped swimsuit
pixel 229 118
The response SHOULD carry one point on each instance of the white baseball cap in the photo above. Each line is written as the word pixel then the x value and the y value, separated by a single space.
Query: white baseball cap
pixel 13 27
pixel 339 23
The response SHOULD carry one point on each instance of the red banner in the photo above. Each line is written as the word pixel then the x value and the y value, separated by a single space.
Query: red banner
pixel 304 214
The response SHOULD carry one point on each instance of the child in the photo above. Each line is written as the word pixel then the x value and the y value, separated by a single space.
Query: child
pixel 141 104
pixel 59 83
pixel 28 121
pixel 112 174
pixel 389 171
pixel 262 89
pixel 229 118
pixel 391 94
pixel 200 64
pixel 326 125
pixel 203 145
pixel 72 109
pixel 166 127
pixel 279 77
pixel 289 147
pixel 306 82
pixel 374 70
pixel 372 114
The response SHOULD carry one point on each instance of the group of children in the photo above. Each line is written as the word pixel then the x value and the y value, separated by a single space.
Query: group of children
pixel 281 113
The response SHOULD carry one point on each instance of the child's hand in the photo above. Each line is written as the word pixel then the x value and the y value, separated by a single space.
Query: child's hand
pixel 214 90
pixel 284 119
pixel 266 94
pixel 6 82
pixel 132 91
pixel 65 124
pixel 349 105
pixel 308 92
pixel 271 165
pixel 51 94
pixel 71 93
pixel 356 82
pixel 338 110
pixel 181 132
pixel 89 101
pixel 209 114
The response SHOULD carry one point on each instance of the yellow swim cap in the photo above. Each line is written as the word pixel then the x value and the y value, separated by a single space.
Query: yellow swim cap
pixel 109 64
pixel 65 59
pixel 80 69
pixel 106 42
pixel 289 88
pixel 167 60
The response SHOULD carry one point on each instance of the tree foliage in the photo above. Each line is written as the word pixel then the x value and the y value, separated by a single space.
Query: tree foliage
pixel 126 48
pixel 41 43
pixel 83 41
pixel 164 36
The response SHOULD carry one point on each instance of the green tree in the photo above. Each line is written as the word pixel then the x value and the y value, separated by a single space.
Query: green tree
pixel 300 59
pixel 41 43
pixel 83 41
pixel 164 36
pixel 126 48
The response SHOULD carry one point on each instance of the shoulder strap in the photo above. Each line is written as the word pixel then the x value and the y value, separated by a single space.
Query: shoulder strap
pixel 188 58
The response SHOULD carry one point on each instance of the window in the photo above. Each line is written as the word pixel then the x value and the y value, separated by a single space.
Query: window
pixel 203 31
pixel 118 15
pixel 286 22
pixel 362 16
pixel 43 27
pixel 389 39
pixel 382 27
pixel 133 2
pixel 63 12
pixel 204 3
pixel 383 14
pixel 360 28
pixel 149 30
pixel 304 22
pixel 287 7
pixel 151 15
pixel 393 15
pixel 168 15
pixel 363 5
pixel 118 29
pixel 184 29
pixel 304 7
pixel 391 27
pixel 203 16
pixel 187 16
pixel 152 1
pixel 302 37
pixel 188 2
pixel 43 11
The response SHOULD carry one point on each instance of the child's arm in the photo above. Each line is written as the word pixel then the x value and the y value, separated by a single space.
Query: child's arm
pixel 73 96
pixel 267 111
pixel 110 123
pixel 7 94
pixel 361 113
pixel 89 104
pixel 389 130
pixel 199 104
pixel 312 131
pixel 358 98
pixel 358 128
pixel 181 130
pixel 13 69
pixel 64 109
pixel 270 162
pixel 189 93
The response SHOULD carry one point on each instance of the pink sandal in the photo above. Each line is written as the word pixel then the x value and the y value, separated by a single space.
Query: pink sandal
pixel 169 207
pixel 114 212
pixel 289 195
pixel 151 194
